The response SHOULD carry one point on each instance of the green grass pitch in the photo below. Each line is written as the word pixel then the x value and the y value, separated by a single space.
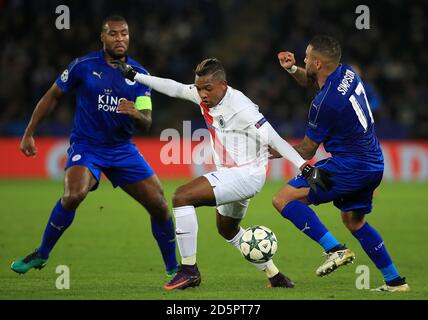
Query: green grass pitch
pixel 112 255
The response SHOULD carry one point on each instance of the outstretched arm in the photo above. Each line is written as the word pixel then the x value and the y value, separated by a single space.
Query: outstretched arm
pixel 314 176
pixel 169 87
pixel 166 86
pixel 307 148
pixel 282 147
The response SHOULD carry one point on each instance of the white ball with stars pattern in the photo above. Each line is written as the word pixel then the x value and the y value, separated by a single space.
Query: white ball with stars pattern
pixel 258 244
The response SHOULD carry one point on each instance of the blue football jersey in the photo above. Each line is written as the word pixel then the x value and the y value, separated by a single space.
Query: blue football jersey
pixel 340 117
pixel 99 89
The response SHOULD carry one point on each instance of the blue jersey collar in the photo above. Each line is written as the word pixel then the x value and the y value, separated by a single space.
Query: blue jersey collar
pixel 101 55
pixel 103 58
pixel 336 74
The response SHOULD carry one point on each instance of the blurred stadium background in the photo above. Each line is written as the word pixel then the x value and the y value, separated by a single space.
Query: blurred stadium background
pixel 169 37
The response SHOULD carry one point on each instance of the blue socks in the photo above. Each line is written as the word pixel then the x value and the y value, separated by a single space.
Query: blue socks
pixel 306 220
pixel 164 234
pixel 59 221
pixel 373 245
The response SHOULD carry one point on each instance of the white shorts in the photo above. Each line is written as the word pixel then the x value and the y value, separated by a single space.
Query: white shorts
pixel 233 188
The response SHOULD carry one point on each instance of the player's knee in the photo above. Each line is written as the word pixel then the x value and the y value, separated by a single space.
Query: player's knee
pixel 180 198
pixel 162 206
pixel 287 195
pixel 279 202
pixel 158 209
pixel 353 226
pixel 72 199
pixel 351 223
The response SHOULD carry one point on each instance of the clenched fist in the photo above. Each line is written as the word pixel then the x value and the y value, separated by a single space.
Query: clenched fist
pixel 28 146
pixel 128 107
pixel 286 59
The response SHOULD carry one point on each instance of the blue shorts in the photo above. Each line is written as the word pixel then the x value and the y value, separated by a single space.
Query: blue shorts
pixel 122 165
pixel 352 190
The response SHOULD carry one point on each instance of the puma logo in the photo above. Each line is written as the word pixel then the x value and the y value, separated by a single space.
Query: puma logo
pixel 306 227
pixel 97 74
pixel 59 228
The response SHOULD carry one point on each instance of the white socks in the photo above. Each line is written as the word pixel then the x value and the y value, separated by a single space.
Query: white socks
pixel 235 241
pixel 268 267
pixel 186 232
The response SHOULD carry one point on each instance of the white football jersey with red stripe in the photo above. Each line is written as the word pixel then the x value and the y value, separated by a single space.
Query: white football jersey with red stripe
pixel 233 125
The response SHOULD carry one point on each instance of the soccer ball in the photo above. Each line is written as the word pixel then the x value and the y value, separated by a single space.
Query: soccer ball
pixel 258 244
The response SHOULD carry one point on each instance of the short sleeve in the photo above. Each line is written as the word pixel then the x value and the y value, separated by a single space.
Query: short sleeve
pixel 321 121
pixel 69 77
pixel 143 90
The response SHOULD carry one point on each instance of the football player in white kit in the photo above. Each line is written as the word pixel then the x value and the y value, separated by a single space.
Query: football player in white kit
pixel 240 137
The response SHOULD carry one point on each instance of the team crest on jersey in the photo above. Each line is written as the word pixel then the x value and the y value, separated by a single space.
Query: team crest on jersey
pixel 64 76
pixel 221 122
pixel 77 157
pixel 129 82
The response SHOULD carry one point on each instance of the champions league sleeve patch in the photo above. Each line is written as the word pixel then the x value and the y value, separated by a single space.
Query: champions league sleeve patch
pixel 64 76
pixel 260 122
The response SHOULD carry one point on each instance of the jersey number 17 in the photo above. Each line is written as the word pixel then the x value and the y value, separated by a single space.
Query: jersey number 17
pixel 359 104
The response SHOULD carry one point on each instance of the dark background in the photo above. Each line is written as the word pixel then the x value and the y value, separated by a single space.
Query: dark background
pixel 169 38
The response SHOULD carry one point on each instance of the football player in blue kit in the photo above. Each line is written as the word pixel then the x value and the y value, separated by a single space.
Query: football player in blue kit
pixel 341 119
pixel 107 109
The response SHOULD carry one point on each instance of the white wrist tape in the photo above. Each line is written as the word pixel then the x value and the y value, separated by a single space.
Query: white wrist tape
pixel 292 70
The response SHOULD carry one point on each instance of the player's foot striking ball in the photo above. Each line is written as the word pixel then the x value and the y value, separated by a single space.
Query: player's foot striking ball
pixel 241 171
pixel 33 260
pixel 258 244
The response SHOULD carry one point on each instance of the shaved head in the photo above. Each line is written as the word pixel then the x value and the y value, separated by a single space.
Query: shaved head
pixel 112 18
pixel 211 67
pixel 326 46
